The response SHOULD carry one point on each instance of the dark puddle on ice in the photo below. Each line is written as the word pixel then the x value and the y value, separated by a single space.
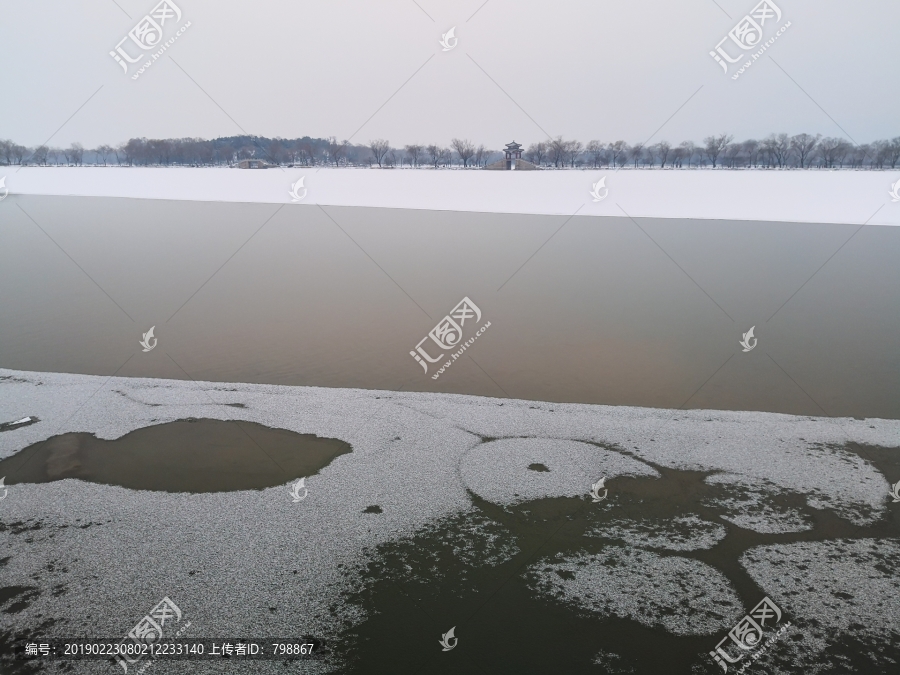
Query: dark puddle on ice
pixel 471 572
pixel 191 455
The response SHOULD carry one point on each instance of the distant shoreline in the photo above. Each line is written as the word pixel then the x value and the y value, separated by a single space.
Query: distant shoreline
pixel 366 167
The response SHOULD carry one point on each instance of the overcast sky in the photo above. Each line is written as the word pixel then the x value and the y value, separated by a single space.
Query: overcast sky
pixel 637 70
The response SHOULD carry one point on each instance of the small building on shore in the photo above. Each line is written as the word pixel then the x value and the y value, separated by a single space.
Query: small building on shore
pixel 254 164
pixel 513 160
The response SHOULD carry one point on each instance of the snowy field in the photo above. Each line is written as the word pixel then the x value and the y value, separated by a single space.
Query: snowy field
pixel 846 197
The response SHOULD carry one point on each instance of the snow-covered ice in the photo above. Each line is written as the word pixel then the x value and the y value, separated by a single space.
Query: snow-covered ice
pixel 810 196
pixel 498 471
pixel 682 533
pixel 834 591
pixel 685 596
pixel 254 563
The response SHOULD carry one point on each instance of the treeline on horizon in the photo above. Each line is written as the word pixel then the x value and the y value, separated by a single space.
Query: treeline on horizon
pixel 803 151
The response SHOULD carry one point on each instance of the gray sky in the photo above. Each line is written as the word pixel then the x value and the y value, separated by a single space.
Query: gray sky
pixel 599 69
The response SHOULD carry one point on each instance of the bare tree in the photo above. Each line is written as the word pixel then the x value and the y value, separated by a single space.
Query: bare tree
pixel 662 150
pixel 207 153
pixel 536 152
pixel 617 151
pixel 558 151
pixel 732 150
pixel 464 148
pixel 893 152
pixel 689 150
pixel 40 155
pixel 750 148
pixel 161 148
pixel 122 154
pixel 480 153
pixel 308 153
pixel 336 149
pixel 274 151
pixel 103 152
pixel 435 152
pixel 782 149
pixel 715 145
pixel 293 152
pixel 379 148
pixel 595 150
pixel 637 153
pixel 573 150
pixel 777 148
pixel 844 148
pixel 11 152
pixel 879 153
pixel 804 146
pixel 828 149
pixel 413 152
pixel 858 155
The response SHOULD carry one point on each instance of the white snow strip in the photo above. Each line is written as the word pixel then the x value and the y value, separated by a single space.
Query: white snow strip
pixel 809 196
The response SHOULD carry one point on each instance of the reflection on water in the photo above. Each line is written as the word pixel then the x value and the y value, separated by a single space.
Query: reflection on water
pixel 609 310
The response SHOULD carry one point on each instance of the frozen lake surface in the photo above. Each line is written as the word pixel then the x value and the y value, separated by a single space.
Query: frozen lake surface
pixel 811 196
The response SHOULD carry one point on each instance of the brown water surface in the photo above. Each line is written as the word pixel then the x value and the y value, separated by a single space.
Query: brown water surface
pixel 618 311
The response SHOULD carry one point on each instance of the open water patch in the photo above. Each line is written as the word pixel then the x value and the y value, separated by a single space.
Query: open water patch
pixel 190 455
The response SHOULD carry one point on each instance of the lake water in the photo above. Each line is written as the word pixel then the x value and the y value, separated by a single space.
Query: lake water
pixel 190 455
pixel 644 312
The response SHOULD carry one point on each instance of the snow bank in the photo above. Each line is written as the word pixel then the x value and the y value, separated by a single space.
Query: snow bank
pixel 792 196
